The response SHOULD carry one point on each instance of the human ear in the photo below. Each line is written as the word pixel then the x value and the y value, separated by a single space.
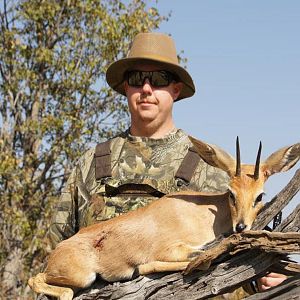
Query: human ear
pixel 125 86
pixel 177 87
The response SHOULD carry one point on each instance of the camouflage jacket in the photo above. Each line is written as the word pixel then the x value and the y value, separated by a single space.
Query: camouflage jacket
pixel 135 162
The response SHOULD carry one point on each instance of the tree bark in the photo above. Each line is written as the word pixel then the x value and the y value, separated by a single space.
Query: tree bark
pixel 282 199
pixel 11 272
pixel 270 242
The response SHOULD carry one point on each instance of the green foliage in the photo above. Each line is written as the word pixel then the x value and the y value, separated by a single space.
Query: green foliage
pixel 54 103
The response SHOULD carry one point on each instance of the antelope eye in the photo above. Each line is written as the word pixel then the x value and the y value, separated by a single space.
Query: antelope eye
pixel 258 198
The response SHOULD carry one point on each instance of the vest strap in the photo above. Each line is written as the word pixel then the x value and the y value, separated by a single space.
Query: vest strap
pixel 188 166
pixel 103 160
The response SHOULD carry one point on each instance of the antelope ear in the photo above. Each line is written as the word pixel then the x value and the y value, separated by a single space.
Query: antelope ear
pixel 282 160
pixel 215 156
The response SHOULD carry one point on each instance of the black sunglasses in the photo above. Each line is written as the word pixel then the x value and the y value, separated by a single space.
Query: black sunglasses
pixel 156 78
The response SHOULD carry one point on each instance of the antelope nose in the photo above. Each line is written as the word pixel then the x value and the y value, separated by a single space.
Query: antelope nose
pixel 240 227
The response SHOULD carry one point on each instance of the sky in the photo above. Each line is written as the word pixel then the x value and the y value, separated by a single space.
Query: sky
pixel 244 58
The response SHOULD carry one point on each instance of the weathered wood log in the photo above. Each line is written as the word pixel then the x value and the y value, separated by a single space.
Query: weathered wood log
pixel 275 242
pixel 288 267
pixel 292 222
pixel 282 199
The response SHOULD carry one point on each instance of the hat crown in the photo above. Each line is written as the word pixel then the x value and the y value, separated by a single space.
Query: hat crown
pixel 155 46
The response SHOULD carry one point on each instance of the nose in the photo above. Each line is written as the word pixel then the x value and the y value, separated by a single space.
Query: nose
pixel 240 227
pixel 147 89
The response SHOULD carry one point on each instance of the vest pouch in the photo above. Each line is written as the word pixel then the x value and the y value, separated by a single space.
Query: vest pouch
pixel 132 189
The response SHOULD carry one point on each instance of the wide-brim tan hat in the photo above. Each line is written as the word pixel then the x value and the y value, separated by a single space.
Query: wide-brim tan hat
pixel 156 49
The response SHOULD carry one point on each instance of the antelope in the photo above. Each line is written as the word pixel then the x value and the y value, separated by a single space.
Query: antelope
pixel 166 234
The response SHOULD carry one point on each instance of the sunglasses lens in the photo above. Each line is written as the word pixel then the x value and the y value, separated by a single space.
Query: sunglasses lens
pixel 156 78
pixel 160 79
pixel 135 78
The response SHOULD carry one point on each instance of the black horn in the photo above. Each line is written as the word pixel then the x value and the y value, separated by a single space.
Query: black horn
pixel 256 171
pixel 238 158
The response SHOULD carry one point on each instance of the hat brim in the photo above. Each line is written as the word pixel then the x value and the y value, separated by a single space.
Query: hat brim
pixel 116 71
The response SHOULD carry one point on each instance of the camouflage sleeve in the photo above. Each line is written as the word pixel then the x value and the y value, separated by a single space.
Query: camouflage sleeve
pixel 216 180
pixel 62 224
pixel 207 178
pixel 67 217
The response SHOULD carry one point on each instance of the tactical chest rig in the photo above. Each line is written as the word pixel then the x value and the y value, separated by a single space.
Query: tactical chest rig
pixel 103 170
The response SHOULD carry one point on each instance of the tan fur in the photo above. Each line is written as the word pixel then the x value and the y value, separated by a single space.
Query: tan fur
pixel 163 236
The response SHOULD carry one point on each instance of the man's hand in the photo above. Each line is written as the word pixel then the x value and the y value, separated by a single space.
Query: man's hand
pixel 270 280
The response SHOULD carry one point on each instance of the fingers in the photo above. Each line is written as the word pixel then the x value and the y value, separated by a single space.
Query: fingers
pixel 270 280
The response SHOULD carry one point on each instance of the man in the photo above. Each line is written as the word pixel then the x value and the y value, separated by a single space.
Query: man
pixel 151 158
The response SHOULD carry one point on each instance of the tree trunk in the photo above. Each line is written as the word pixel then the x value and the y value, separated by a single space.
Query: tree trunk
pixel 12 273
